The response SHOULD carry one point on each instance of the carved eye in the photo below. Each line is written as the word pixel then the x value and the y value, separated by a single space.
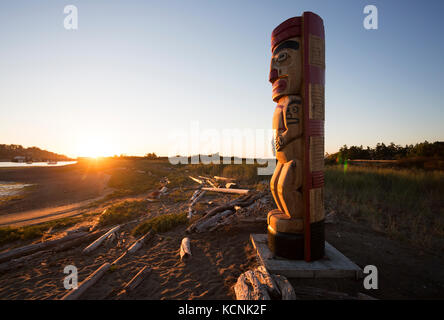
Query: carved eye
pixel 282 56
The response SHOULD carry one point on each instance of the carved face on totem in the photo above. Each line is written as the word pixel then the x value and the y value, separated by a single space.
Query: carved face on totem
pixel 286 68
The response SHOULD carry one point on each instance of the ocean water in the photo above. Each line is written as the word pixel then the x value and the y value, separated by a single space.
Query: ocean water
pixel 34 164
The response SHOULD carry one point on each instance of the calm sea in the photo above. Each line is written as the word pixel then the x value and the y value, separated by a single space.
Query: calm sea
pixel 35 164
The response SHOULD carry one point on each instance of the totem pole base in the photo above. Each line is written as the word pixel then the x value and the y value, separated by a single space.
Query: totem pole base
pixel 291 245
pixel 333 265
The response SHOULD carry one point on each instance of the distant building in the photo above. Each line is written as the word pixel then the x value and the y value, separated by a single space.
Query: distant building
pixel 19 159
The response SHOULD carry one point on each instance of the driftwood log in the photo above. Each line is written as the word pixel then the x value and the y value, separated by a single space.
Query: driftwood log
pixel 210 181
pixel 258 284
pixel 87 283
pixel 226 190
pixel 268 281
pixel 31 248
pixel 67 244
pixel 198 194
pixel 198 197
pixel 196 180
pixel 287 291
pixel 140 242
pixel 244 201
pixel 137 279
pixel 134 247
pixel 224 179
pixel 212 221
pixel 19 262
pixel 185 249
pixel 248 287
pixel 99 241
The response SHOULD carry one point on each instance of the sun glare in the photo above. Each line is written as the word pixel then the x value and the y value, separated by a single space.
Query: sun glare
pixel 94 148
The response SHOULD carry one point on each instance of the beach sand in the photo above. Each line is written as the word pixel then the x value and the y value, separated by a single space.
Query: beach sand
pixel 218 258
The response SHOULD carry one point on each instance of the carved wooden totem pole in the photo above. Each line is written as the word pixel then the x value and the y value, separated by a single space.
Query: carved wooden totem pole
pixel 297 73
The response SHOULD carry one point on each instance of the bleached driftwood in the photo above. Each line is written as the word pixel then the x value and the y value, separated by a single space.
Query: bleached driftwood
pixel 31 248
pixel 77 230
pixel 230 185
pixel 210 222
pixel 258 284
pixel 19 262
pixel 194 201
pixel 225 190
pixel 285 287
pixel 210 181
pixel 16 263
pixel 197 195
pixel 110 239
pixel 99 241
pixel 190 213
pixel 185 248
pixel 223 222
pixel 134 247
pixel 140 242
pixel 196 180
pixel 248 287
pixel 259 288
pixel 137 279
pixel 267 280
pixel 241 202
pixel 87 283
pixel 224 179
pixel 242 290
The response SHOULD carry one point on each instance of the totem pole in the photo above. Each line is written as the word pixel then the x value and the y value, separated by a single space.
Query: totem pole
pixel 297 73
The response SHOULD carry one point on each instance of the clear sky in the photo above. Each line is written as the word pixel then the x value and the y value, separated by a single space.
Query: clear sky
pixel 135 70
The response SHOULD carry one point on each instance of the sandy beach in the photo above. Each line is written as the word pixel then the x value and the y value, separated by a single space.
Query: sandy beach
pixel 53 186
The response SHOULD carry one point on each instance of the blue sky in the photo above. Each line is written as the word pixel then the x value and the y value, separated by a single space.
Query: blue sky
pixel 135 70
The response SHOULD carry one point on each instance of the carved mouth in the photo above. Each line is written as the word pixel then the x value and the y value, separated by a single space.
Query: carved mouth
pixel 279 86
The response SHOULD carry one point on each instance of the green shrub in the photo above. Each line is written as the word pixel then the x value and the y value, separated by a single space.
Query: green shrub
pixel 123 212
pixel 161 224
pixel 10 234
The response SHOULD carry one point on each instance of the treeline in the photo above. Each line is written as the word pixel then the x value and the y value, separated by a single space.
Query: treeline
pixel 9 152
pixel 389 152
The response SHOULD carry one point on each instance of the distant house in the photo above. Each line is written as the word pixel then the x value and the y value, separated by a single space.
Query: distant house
pixel 19 159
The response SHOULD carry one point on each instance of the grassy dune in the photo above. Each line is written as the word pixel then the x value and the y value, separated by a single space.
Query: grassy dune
pixel 405 204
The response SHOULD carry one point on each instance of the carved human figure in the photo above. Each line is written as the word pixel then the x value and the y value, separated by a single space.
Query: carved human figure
pixel 299 202
pixel 286 78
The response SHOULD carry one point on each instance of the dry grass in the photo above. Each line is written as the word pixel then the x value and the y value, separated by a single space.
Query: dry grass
pixel 405 204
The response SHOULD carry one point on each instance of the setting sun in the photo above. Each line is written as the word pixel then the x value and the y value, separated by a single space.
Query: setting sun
pixel 94 147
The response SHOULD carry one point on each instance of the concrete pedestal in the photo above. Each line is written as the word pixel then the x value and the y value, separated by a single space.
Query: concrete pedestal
pixel 333 265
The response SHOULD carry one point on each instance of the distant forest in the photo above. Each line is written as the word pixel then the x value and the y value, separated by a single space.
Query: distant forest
pixel 8 152
pixel 390 152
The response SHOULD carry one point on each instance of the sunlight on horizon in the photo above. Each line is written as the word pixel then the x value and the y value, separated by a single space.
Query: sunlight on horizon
pixel 94 147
